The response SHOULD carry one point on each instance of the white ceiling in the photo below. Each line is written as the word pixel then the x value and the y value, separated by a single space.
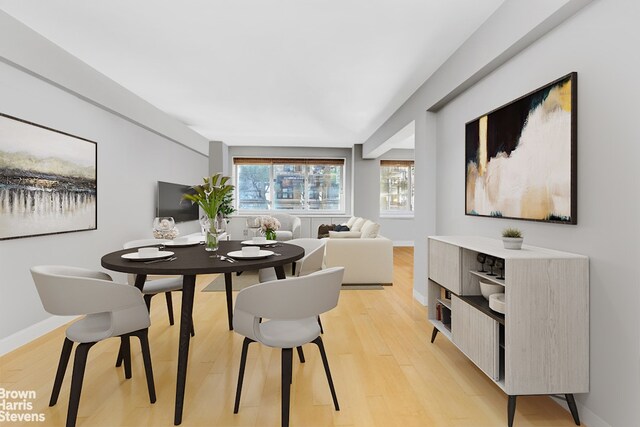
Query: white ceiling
pixel 260 72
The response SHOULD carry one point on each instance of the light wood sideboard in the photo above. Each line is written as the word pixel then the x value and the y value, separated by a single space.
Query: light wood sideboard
pixel 541 344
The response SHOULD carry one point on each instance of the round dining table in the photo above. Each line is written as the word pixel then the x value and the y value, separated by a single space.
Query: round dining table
pixel 188 262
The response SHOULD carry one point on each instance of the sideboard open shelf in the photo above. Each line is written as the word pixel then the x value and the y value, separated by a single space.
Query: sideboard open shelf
pixel 541 344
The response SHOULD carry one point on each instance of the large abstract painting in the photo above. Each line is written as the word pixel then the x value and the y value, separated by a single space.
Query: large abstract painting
pixel 47 180
pixel 521 158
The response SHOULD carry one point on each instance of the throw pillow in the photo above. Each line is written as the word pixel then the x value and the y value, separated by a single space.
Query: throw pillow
pixel 350 222
pixel 357 225
pixel 344 234
pixel 370 230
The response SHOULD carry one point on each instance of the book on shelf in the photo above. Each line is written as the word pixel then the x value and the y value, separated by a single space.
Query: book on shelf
pixel 438 311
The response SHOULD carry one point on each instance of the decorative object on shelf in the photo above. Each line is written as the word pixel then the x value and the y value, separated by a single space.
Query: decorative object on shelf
pixel 268 226
pixel 496 302
pixel 512 238
pixel 521 158
pixel 500 267
pixel 164 227
pixel 48 182
pixel 491 262
pixel 487 289
pixel 210 196
pixel 481 259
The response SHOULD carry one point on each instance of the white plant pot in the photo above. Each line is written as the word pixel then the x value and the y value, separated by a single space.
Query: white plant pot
pixel 512 242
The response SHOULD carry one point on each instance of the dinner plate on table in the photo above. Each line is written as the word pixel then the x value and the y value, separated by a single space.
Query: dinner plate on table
pixel 265 243
pixel 174 244
pixel 238 255
pixel 136 256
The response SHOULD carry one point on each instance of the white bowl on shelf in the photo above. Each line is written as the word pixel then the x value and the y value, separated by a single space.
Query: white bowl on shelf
pixel 487 289
pixel 496 302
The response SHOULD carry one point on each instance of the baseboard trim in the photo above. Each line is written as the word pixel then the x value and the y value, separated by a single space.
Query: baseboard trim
pixel 403 243
pixel 587 417
pixel 25 336
pixel 419 297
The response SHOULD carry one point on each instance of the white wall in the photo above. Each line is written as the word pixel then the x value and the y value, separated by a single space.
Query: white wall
pixel 24 48
pixel 367 195
pixel 600 42
pixel 130 161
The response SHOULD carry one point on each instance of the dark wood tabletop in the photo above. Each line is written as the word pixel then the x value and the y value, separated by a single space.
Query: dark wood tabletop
pixel 193 260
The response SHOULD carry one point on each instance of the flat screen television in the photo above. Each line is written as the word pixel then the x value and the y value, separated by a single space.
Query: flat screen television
pixel 170 202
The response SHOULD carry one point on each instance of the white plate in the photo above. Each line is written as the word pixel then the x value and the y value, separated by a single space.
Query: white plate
pixel 173 244
pixel 135 256
pixel 266 242
pixel 238 255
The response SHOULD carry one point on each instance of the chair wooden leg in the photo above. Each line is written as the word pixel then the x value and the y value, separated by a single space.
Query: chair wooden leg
pixel 325 362
pixel 243 363
pixel 287 365
pixel 79 364
pixel 120 358
pixel 147 301
pixel 300 354
pixel 126 355
pixel 143 336
pixel 167 295
pixel 67 346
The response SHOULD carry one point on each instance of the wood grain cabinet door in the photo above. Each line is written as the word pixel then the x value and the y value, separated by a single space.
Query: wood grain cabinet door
pixel 477 336
pixel 444 265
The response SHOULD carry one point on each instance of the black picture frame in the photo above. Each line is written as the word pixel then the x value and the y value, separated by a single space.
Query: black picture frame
pixel 487 185
pixel 48 180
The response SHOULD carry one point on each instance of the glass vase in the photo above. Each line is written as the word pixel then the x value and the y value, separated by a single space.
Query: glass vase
pixel 270 234
pixel 211 243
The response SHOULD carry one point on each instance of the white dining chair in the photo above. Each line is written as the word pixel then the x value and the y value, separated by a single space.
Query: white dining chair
pixel 110 310
pixel 289 308
pixel 157 284
pixel 309 263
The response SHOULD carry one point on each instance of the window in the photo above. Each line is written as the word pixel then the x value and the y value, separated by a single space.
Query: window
pixel 396 187
pixel 289 184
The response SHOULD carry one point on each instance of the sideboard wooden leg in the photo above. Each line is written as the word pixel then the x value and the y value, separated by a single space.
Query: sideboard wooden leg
pixel 511 409
pixel 573 408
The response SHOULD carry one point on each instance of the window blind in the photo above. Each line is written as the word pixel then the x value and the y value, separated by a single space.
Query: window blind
pixel 285 161
pixel 396 163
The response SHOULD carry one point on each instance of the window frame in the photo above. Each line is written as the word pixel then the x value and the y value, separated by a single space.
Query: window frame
pixel 307 161
pixel 410 211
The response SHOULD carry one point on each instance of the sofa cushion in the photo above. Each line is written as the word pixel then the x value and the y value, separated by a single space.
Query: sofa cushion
pixel 370 230
pixel 350 222
pixel 357 225
pixel 344 234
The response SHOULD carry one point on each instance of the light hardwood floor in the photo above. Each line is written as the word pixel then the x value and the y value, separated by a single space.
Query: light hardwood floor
pixel 385 370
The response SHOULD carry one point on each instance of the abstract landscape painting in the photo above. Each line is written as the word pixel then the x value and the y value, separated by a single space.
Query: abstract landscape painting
pixel 521 158
pixel 47 180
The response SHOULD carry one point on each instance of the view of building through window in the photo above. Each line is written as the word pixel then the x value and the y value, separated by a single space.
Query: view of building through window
pixel 289 184
pixel 396 187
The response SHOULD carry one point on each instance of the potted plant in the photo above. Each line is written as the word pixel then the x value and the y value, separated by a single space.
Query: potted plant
pixel 512 238
pixel 226 208
pixel 210 196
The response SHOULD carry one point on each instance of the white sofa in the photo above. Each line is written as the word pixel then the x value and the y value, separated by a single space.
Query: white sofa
pixel 367 259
